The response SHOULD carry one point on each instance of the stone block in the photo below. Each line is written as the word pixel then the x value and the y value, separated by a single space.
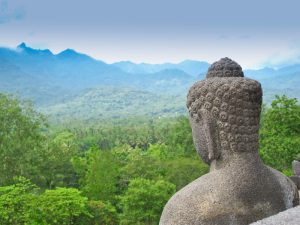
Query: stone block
pixel 287 217
pixel 296 180
pixel 296 167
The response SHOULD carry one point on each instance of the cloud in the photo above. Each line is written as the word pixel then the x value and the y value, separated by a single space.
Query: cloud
pixel 8 14
pixel 285 57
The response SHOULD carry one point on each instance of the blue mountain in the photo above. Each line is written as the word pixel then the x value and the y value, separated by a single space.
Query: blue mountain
pixel 73 72
pixel 191 67
pixel 30 51
pixel 56 82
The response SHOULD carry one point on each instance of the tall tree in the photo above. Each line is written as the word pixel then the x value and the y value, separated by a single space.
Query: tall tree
pixel 144 200
pixel 17 203
pixel 99 173
pixel 280 133
pixel 21 139
pixel 56 168
pixel 180 140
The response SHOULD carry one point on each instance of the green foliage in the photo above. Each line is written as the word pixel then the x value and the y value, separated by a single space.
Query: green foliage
pixel 280 133
pixel 21 204
pixel 280 151
pixel 115 102
pixel 20 139
pixel 99 172
pixel 27 150
pixel 182 171
pixel 103 214
pixel 62 206
pixel 159 151
pixel 125 173
pixel 125 170
pixel 17 202
pixel 144 200
pixel 56 168
pixel 123 153
pixel 141 165
pixel 180 140
pixel 283 118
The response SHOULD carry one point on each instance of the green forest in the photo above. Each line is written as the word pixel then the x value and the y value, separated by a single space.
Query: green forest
pixel 120 171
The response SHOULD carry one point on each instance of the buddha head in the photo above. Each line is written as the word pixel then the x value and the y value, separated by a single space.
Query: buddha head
pixel 224 112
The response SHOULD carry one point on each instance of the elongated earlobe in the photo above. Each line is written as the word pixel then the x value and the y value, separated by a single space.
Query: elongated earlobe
pixel 211 134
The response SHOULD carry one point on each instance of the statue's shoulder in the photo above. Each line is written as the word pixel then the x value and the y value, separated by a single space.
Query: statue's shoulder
pixel 193 190
pixel 190 204
pixel 230 198
pixel 290 190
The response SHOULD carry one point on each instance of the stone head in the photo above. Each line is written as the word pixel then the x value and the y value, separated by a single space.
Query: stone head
pixel 224 111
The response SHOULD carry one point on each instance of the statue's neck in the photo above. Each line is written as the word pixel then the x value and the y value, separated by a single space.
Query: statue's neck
pixel 239 159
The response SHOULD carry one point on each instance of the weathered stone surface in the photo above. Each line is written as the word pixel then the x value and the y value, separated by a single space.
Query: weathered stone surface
pixel 224 111
pixel 287 217
pixel 225 68
pixel 296 180
pixel 296 167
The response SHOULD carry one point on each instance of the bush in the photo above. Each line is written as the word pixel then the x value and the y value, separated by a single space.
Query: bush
pixel 280 134
pixel 62 206
pixel 144 200
pixel 104 213
pixel 17 203
pixel 21 204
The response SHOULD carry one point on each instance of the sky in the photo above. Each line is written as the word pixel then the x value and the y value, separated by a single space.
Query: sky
pixel 254 33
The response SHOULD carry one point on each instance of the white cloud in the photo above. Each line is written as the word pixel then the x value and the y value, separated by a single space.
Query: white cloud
pixel 285 57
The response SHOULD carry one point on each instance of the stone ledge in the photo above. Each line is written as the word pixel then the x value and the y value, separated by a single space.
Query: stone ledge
pixel 287 217
pixel 296 180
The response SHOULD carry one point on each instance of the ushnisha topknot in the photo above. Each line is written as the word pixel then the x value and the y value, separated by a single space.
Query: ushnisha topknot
pixel 225 67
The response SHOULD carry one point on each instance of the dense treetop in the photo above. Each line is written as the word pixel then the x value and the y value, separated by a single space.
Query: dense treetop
pixel 112 172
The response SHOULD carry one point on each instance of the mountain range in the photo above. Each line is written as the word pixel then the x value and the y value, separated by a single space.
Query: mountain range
pixel 71 85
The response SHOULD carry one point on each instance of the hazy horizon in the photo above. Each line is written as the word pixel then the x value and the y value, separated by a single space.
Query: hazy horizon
pixel 255 34
pixel 275 67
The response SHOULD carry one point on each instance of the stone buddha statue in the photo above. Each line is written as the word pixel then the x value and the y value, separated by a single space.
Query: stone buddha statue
pixel 224 112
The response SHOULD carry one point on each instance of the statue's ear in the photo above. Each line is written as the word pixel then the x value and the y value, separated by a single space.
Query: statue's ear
pixel 211 134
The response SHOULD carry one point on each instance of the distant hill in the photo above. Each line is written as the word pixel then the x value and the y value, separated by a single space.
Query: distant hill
pixel 278 82
pixel 194 68
pixel 74 85
pixel 115 102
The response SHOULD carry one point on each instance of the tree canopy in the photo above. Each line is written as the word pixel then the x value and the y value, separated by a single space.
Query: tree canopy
pixel 112 173
pixel 280 133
